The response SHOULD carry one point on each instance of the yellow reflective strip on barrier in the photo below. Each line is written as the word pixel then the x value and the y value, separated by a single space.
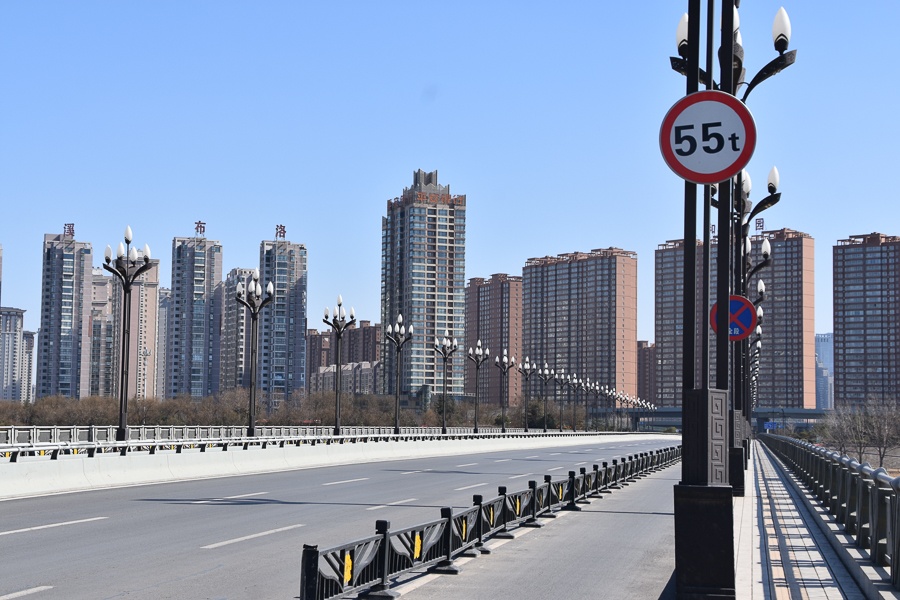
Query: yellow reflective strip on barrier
pixel 465 524
pixel 348 568
pixel 417 550
pixel 518 506
pixel 491 517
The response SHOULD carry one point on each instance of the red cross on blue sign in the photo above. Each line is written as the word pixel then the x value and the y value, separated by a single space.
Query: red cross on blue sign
pixel 741 318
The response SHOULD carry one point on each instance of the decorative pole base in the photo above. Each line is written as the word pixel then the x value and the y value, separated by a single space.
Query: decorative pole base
pixel 704 542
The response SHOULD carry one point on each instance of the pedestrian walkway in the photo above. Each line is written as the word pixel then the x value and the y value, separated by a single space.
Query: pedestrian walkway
pixel 623 546
pixel 799 561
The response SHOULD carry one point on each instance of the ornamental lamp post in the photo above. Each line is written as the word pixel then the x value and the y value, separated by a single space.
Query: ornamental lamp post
pixel 398 335
pixel 478 357
pixel 560 380
pixel 445 348
pixel 504 365
pixel 339 324
pixel 572 385
pixel 704 556
pixel 526 369
pixel 127 268
pixel 254 302
pixel 544 375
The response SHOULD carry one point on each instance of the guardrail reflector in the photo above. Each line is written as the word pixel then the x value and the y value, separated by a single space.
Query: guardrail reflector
pixel 348 568
pixel 417 550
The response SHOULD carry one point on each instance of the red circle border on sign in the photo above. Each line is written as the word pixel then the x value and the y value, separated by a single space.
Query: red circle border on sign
pixel 705 96
pixel 748 304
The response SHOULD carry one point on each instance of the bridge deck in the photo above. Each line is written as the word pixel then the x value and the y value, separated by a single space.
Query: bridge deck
pixel 623 547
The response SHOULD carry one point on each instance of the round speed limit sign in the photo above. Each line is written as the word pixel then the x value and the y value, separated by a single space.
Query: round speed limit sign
pixel 707 137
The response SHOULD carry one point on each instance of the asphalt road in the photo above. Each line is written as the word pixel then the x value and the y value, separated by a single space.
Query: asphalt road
pixel 241 537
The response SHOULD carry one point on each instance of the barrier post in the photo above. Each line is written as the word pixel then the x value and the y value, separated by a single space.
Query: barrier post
pixel 478 500
pixel 309 572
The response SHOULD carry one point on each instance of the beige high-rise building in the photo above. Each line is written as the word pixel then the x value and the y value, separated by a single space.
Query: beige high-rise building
pixel 866 319
pixel 580 316
pixel 494 316
pixel 15 356
pixel 787 363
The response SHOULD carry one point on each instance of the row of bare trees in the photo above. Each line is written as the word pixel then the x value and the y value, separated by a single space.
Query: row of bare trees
pixel 230 408
pixel 869 432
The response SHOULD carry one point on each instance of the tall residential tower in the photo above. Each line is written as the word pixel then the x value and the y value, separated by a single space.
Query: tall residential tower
pixel 423 254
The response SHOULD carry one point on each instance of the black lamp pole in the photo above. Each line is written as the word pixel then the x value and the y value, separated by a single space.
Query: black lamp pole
pixel 398 336
pixel 254 302
pixel 545 375
pixel 526 369
pixel 339 324
pixel 127 268
pixel 504 365
pixel 560 379
pixel 445 348
pixel 478 356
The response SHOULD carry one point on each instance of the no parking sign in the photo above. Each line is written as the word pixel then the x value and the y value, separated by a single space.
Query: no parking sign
pixel 741 318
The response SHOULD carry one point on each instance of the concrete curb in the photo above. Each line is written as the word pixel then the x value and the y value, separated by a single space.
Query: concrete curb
pixel 33 476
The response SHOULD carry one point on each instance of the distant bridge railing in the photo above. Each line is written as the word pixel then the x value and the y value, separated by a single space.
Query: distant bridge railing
pixel 53 442
pixel 864 500
pixel 371 564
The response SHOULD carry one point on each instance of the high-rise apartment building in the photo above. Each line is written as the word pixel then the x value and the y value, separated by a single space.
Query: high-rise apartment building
pixel 866 319
pixel 423 251
pixel 104 356
pixel 646 355
pixel 64 348
pixel 15 356
pixel 787 364
pixel 494 316
pixel 164 310
pixel 580 316
pixel 194 323
pixel 825 350
pixel 825 371
pixel 282 324
pixel 234 369
pixel 668 322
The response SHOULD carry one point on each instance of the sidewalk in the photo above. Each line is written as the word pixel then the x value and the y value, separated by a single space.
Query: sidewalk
pixel 623 546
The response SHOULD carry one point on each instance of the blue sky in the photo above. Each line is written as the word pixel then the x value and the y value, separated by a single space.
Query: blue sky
pixel 313 114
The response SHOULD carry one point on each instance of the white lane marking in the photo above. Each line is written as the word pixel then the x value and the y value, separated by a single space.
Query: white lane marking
pixel 579 464
pixel 230 498
pixel 52 525
pixel 27 592
pixel 503 460
pixel 535 456
pixel 555 453
pixel 413 472
pixel 469 487
pixel 466 465
pixel 556 468
pixel 380 506
pixel 347 481
pixel 250 537
pixel 522 475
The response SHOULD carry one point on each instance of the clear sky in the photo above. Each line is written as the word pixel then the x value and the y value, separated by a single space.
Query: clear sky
pixel 545 115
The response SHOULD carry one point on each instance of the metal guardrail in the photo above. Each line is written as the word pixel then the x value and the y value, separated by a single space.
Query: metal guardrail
pixel 371 564
pixel 864 500
pixel 53 442
pixel 96 433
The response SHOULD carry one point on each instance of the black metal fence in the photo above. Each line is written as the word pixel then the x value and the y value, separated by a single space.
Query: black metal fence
pixel 371 564
pixel 864 500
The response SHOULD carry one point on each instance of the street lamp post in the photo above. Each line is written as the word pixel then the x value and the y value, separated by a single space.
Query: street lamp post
pixel 704 557
pixel 526 369
pixel 545 375
pixel 339 324
pixel 398 335
pixel 127 268
pixel 445 348
pixel 254 302
pixel 560 379
pixel 504 365
pixel 572 386
pixel 478 357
